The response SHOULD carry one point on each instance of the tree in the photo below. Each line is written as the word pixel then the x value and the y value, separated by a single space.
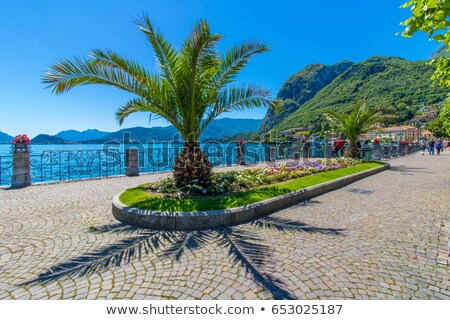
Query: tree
pixel 360 120
pixel 437 128
pixel 190 88
pixel 430 16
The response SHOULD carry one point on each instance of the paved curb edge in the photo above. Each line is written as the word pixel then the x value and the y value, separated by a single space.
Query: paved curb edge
pixel 217 218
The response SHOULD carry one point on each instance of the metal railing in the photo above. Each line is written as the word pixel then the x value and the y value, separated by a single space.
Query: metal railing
pixel 59 165
pixel 6 169
pixel 62 165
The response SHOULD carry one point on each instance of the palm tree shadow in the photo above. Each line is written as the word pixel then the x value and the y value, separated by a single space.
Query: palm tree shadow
pixel 116 254
pixel 244 247
pixel 286 225
pixel 114 228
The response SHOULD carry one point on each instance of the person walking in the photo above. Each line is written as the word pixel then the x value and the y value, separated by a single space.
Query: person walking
pixel 438 146
pixel 444 145
pixel 431 144
pixel 338 147
pixel 422 143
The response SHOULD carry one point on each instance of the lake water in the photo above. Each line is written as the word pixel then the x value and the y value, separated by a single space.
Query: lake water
pixel 5 149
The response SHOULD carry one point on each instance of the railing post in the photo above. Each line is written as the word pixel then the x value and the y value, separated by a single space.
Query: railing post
pixel 296 155
pixel 240 153
pixel 329 149
pixel 376 152
pixel 305 151
pixel 132 162
pixel 394 150
pixel 21 169
pixel 401 150
pixel 270 152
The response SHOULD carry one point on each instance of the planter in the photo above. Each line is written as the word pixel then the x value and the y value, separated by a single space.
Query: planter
pixel 20 146
pixel 186 221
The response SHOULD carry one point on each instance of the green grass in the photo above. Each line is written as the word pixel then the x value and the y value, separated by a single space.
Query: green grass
pixel 137 197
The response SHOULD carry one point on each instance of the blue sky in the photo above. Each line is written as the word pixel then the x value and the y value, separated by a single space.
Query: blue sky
pixel 35 34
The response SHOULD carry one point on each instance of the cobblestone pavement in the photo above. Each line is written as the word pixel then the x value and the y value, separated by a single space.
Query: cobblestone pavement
pixel 383 237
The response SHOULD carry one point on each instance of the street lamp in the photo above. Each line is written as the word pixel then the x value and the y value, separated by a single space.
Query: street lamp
pixel 417 125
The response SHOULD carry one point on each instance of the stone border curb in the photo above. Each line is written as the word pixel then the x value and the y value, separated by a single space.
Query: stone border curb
pixel 218 218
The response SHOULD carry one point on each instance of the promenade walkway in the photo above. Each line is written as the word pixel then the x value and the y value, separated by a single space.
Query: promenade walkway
pixel 383 237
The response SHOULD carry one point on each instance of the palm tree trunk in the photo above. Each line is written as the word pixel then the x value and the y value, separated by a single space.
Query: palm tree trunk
pixel 352 151
pixel 192 165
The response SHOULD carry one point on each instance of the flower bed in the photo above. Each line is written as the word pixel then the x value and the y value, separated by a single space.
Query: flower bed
pixel 247 179
pixel 137 207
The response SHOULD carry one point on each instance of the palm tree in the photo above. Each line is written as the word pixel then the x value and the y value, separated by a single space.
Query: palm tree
pixel 360 120
pixel 190 88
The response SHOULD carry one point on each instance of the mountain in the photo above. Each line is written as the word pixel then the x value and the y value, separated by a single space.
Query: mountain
pixel 47 139
pixel 77 136
pixel 441 52
pixel 301 87
pixel 143 134
pixel 5 138
pixel 217 129
pixel 220 128
pixel 392 82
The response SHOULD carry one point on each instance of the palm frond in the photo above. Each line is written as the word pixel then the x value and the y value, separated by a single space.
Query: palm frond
pixel 132 106
pixel 166 55
pixel 141 105
pixel 238 99
pixel 114 60
pixel 67 74
pixel 360 120
pixel 198 60
pixel 236 59
pixel 198 54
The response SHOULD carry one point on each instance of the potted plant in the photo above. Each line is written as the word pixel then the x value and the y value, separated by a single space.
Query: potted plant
pixel 21 142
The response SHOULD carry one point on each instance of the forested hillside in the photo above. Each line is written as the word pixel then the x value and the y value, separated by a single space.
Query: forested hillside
pixel 384 81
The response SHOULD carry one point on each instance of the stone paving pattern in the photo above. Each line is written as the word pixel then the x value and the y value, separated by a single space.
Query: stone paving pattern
pixel 383 237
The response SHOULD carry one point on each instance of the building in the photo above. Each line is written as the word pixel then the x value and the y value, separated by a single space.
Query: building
pixel 423 119
pixel 427 134
pixel 398 133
